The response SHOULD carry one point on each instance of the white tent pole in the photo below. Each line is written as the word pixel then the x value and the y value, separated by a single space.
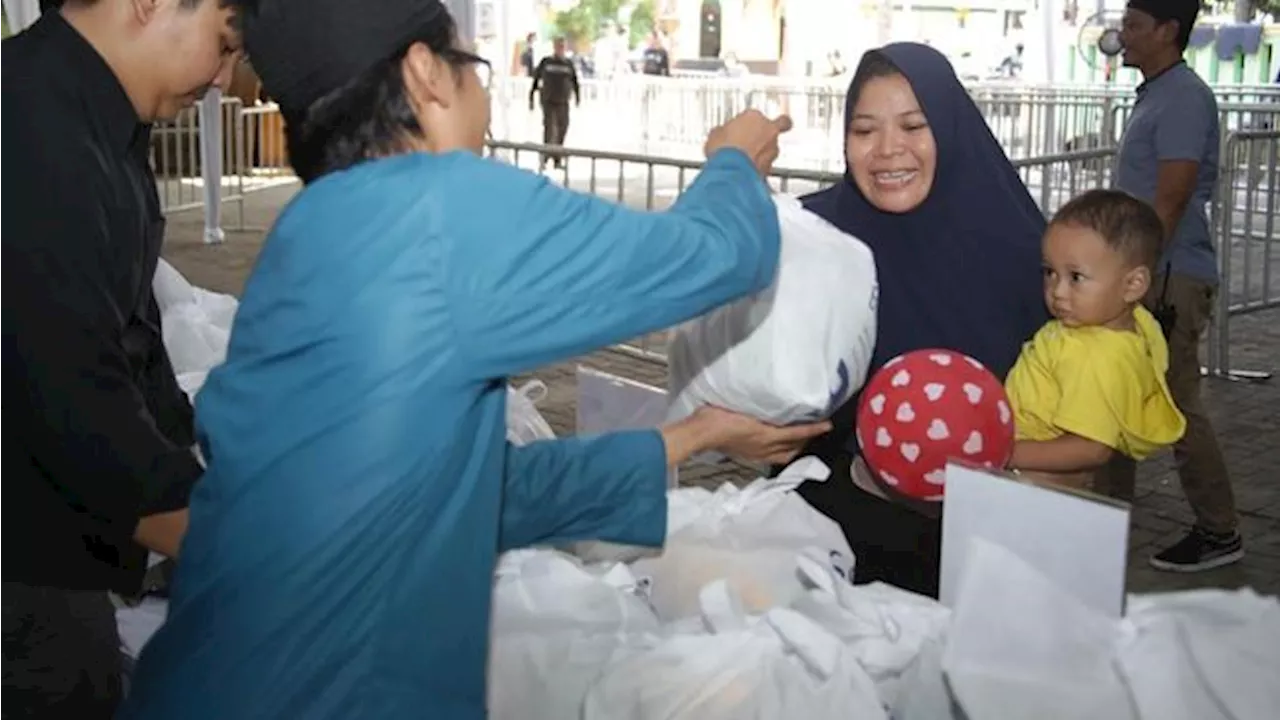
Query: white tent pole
pixel 21 14
pixel 210 109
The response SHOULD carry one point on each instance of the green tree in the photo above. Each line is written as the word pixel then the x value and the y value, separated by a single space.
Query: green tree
pixel 643 19
pixel 584 22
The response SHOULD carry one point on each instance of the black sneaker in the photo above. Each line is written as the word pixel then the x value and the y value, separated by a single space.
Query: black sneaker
pixel 1200 550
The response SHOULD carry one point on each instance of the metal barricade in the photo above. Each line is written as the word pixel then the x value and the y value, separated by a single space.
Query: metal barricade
pixel 176 160
pixel 1246 209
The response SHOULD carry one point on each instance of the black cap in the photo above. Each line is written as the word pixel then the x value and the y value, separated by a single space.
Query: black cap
pixel 1184 11
pixel 305 49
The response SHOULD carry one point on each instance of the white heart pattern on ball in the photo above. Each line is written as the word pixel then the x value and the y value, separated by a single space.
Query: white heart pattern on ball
pixel 1005 414
pixel 877 404
pixel 938 430
pixel 900 379
pixel 933 391
pixel 973 445
pixel 973 392
pixel 940 359
pixel 910 451
pixel 977 365
pixel 889 479
pixel 905 413
pixel 894 361
pixel 882 438
pixel 936 477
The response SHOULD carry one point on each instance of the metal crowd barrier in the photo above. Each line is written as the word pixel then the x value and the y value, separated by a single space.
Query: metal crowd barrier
pixel 1245 212
pixel 671 116
pixel 175 158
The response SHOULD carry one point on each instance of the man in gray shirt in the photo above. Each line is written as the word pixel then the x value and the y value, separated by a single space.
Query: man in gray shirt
pixel 1169 157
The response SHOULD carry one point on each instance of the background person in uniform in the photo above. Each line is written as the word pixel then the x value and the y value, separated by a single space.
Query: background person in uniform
pixel 360 487
pixel 554 80
pixel 1168 156
pixel 656 60
pixel 97 448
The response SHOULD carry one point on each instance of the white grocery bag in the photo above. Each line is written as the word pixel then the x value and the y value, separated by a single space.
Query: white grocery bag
pixel 555 623
pixel 170 287
pixel 1202 655
pixel 779 666
pixel 194 343
pixel 749 537
pixel 798 350
pixel 524 423
pixel 885 627
pixel 195 325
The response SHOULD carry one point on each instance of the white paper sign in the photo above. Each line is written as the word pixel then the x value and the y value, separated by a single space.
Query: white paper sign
pixel 1078 540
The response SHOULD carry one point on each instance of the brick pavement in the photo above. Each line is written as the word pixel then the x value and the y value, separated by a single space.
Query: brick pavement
pixel 1246 415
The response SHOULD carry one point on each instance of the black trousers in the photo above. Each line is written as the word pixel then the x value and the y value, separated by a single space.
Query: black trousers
pixel 555 125
pixel 890 542
pixel 62 655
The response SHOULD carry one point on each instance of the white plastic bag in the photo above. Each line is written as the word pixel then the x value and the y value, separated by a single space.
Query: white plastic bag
pixel 885 627
pixel 775 667
pixel 750 537
pixel 1203 655
pixel 795 352
pixel 524 423
pixel 555 623
pixel 170 287
pixel 194 343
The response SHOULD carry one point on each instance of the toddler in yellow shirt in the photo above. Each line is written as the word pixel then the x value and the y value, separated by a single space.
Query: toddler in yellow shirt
pixel 1091 382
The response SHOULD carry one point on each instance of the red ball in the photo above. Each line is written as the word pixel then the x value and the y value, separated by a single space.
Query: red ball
pixel 926 407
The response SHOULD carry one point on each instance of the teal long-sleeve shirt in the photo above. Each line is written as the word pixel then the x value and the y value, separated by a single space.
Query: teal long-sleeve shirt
pixel 359 489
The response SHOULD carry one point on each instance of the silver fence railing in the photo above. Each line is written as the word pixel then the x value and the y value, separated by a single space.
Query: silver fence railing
pixel 176 160
pixel 671 116
pixel 1245 211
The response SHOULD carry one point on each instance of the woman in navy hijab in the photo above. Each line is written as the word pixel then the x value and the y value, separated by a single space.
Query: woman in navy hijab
pixel 956 237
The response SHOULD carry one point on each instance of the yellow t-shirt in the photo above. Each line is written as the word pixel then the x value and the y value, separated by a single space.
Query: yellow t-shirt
pixel 1102 384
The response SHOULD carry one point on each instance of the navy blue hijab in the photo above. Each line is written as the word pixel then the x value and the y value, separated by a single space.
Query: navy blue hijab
pixel 962 271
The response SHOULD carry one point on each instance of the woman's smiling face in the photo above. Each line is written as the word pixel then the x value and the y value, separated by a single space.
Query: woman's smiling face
pixel 890 149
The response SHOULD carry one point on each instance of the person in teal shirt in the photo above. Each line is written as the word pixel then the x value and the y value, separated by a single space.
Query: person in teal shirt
pixel 359 487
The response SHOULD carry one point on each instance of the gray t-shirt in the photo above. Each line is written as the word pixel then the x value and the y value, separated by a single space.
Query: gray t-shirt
pixel 1176 118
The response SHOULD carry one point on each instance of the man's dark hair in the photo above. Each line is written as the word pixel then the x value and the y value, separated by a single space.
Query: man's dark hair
pixel 369 117
pixel 1126 223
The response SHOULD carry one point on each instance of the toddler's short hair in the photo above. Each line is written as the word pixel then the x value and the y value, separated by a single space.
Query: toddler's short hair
pixel 1126 223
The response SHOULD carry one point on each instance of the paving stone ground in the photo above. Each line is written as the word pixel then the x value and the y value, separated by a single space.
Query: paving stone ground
pixel 1246 415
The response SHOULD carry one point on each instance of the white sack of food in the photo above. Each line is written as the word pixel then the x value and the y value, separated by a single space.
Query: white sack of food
pixel 193 342
pixel 749 537
pixel 885 627
pixel 555 623
pixel 796 351
pixel 777 666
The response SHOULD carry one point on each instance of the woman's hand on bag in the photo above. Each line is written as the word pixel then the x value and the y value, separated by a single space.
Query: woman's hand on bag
pixel 737 436
pixel 752 133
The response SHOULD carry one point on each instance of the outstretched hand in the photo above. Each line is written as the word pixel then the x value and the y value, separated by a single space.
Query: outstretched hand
pixel 752 133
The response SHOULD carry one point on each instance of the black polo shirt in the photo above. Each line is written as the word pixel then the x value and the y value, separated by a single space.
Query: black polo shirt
pixel 96 431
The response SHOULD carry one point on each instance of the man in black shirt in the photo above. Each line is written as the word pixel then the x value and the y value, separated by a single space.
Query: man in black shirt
pixel 553 81
pixel 526 55
pixel 98 464
pixel 656 59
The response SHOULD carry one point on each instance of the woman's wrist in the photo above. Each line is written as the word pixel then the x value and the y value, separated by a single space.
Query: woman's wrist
pixel 685 438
